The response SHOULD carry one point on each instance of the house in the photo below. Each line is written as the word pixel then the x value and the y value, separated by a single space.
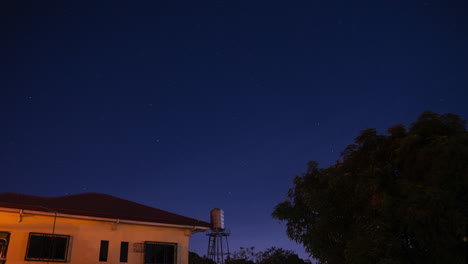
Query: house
pixel 91 228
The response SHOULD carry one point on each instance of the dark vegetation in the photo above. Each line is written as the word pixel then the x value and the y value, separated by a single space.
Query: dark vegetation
pixel 194 258
pixel 271 255
pixel 395 198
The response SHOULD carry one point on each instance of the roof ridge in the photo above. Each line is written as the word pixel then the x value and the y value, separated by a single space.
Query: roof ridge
pixel 81 194
pixel 109 195
pixel 27 195
pixel 144 205
pixel 78 194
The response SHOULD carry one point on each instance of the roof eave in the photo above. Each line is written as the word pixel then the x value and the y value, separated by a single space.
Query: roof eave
pixel 103 219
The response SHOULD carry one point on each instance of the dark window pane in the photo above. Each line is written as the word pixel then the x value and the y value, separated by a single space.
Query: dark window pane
pixel 4 239
pixel 59 247
pixel 159 253
pixel 36 247
pixel 47 247
pixel 149 256
pixel 123 251
pixel 104 250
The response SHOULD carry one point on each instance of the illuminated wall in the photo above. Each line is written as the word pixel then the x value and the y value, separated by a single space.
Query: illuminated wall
pixel 86 236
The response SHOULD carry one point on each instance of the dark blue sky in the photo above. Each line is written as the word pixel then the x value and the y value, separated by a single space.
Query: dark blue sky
pixel 191 105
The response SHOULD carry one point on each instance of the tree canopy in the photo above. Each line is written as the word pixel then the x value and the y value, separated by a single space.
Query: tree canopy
pixel 271 255
pixel 194 258
pixel 395 198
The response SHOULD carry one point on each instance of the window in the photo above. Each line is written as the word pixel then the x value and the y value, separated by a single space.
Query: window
pixel 104 250
pixel 159 253
pixel 123 251
pixel 4 239
pixel 47 247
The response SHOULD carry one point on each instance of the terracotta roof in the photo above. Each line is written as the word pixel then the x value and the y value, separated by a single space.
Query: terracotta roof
pixel 97 205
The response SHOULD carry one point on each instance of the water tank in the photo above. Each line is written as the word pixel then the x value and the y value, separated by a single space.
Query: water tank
pixel 217 219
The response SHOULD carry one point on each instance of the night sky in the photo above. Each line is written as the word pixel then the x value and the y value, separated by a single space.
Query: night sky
pixel 191 105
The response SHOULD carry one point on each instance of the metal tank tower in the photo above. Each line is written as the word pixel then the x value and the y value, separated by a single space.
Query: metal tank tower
pixel 218 247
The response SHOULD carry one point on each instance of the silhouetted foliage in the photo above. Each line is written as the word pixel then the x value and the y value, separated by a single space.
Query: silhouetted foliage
pixel 243 256
pixel 194 258
pixel 276 255
pixel 271 255
pixel 397 198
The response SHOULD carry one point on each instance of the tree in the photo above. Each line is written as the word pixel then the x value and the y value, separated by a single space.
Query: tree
pixel 194 258
pixel 243 256
pixel 276 255
pixel 395 198
pixel 271 255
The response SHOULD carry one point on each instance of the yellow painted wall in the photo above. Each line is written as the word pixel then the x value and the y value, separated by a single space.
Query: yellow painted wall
pixel 86 236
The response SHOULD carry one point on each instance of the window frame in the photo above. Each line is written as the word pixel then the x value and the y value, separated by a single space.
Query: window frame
pixel 124 251
pixel 4 248
pixel 66 253
pixel 104 251
pixel 174 245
